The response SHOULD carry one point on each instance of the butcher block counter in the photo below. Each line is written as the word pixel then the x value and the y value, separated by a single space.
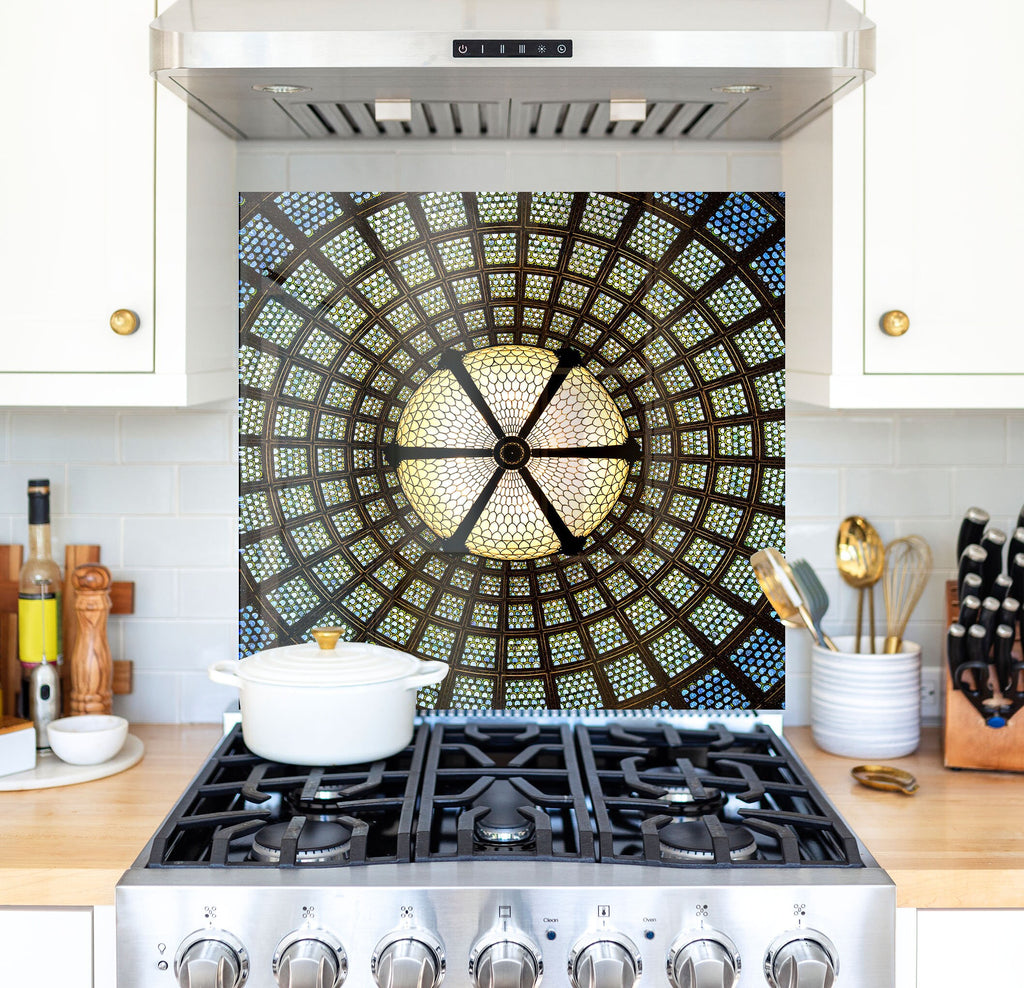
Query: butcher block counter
pixel 958 843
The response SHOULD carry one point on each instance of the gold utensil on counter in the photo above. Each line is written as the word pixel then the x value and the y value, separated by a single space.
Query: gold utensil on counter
pixel 885 777
pixel 775 579
pixel 860 558
pixel 908 562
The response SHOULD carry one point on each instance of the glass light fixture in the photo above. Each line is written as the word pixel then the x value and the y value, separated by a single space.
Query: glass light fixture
pixel 512 452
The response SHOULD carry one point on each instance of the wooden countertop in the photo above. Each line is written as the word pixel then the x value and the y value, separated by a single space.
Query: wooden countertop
pixel 958 843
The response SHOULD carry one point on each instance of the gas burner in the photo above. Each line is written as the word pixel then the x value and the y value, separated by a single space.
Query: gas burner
pixel 691 841
pixel 502 824
pixel 319 843
pixel 327 803
pixel 681 800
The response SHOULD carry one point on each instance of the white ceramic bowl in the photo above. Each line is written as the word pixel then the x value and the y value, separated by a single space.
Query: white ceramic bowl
pixel 87 739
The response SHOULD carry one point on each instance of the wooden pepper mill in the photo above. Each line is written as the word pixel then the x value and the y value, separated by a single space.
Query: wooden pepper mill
pixel 92 670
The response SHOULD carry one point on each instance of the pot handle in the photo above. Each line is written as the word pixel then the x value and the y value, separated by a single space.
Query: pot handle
pixel 224 672
pixel 433 672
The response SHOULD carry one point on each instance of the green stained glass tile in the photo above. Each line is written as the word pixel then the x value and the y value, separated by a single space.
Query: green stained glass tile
pixel 544 251
pixel 659 351
pixel 732 480
pixel 277 324
pixel 620 584
pixel 457 254
pixel 450 607
pixel 729 401
pixel 535 319
pixel 556 611
pixel 310 539
pixel 677 588
pixel 348 252
pixel 696 265
pixel 561 322
pixel 771 391
pixel 292 423
pixel 296 501
pixel 348 315
pixel 575 574
pixel 578 691
pixel 256 368
pixel 703 556
pixel 689 410
pixel 480 651
pixel 522 653
pixel 490 584
pixel 472 693
pixel 436 643
pixel 626 276
pixel 355 365
pixel 308 285
pixel 433 302
pixel 475 319
pixel 647 562
pixel 389 574
pixel 500 248
pixel 378 510
pixel 550 208
pixel 462 578
pixel 645 615
pixel 773 486
pixel 565 647
pixel 435 567
pixel 521 617
pixel 538 287
pixel 690 329
pixel 714 618
pixel 586 259
pixel 600 560
pixel 732 301
pixel 362 601
pixel 612 351
pixel 378 289
pixel 394 226
pixel 444 210
pixel 629 676
pixel 622 543
pixel 525 694
pixel 652 236
pixel 403 317
pixel 661 299
pixel 360 197
pixel 505 315
pixel 668 536
pixel 377 340
pixel 774 438
pixel 331 460
pixel 519 586
pixel 694 442
pixel 346 522
pixel 366 550
pixel 734 440
pixel 302 383
pixel 657 418
pixel 722 519
pixel 764 531
pixel 497 207
pixel 251 416
pixel 254 511
pixel 713 363
pixel 485 615
pixel 760 343
pixel 603 215
pixel 411 552
pixel 502 285
pixel 573 294
pixel 320 347
pixel 659 470
pixel 333 572
pixel 740 579
pixel 605 308
pixel 290 461
pixel 266 558
pixel 467 290
pixel 262 246
pixel 246 293
pixel 401 361
pixel 634 327
pixel 674 651
pixel 340 395
pixel 397 625
pixel 416 268
pixel 367 485
pixel 293 599
pixel 590 601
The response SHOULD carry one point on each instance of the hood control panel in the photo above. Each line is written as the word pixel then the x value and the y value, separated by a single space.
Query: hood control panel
pixel 514 48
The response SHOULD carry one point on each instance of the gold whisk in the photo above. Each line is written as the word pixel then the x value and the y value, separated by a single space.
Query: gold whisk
pixel 908 562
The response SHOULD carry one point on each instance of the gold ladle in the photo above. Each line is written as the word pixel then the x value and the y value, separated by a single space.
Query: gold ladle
pixel 860 558
pixel 775 579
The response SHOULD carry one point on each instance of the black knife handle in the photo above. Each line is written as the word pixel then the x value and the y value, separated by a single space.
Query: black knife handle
pixel 956 651
pixel 993 542
pixel 970 607
pixel 1001 587
pixel 1016 570
pixel 975 520
pixel 1016 545
pixel 988 618
pixel 1020 518
pixel 1010 611
pixel 977 660
pixel 970 587
pixel 972 560
pixel 1002 661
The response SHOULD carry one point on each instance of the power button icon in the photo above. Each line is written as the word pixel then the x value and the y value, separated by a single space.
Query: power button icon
pixel 463 49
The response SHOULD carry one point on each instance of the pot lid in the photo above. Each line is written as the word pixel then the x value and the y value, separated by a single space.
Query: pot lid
pixel 330 663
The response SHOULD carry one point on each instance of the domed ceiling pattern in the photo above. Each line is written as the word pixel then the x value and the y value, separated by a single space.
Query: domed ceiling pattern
pixel 535 435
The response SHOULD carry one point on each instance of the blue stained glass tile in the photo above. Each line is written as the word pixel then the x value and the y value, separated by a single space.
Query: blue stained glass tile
pixel 739 221
pixel 770 267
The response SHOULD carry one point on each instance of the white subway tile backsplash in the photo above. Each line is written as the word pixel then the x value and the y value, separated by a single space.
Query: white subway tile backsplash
pixel 445 172
pixel 69 436
pixel 1015 439
pixel 929 439
pixel 211 490
pixel 155 698
pixel 203 701
pixel 156 645
pixel 82 530
pixel 182 437
pixel 755 172
pixel 818 440
pixel 897 492
pixel 577 168
pixel 262 171
pixel 14 478
pixel 179 542
pixel 999 490
pixel 346 172
pixel 121 490
pixel 209 593
pixel 643 171
pixel 156 591
pixel 812 492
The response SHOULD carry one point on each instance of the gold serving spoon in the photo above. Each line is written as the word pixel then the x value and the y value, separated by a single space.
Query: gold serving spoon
pixel 885 777
pixel 860 558
pixel 775 579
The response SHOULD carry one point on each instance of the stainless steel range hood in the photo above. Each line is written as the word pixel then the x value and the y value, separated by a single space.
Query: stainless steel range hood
pixel 531 69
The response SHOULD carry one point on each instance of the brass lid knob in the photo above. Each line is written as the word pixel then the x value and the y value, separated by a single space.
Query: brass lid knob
pixel 326 638
pixel 895 323
pixel 124 322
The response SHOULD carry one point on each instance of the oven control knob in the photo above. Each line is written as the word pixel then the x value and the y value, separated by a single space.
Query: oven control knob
pixel 408 959
pixel 506 963
pixel 310 959
pixel 211 959
pixel 801 959
pixel 709 960
pixel 607 960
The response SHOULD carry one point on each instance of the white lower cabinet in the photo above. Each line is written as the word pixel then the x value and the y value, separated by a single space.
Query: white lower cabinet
pixel 969 947
pixel 46 947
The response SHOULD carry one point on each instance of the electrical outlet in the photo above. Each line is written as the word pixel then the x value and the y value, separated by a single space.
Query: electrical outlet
pixel 931 688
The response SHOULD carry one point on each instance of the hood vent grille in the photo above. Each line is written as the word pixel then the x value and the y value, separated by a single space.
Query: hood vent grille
pixel 575 119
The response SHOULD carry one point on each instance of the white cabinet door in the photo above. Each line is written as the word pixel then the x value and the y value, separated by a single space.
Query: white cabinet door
pixel 46 947
pixel 77 168
pixel 969 947
pixel 944 152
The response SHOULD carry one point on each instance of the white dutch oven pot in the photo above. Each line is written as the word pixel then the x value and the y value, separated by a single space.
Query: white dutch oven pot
pixel 317 704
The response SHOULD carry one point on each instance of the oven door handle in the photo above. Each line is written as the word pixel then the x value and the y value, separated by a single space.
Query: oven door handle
pixel 224 672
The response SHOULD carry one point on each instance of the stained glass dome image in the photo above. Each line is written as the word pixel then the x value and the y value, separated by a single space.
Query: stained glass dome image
pixel 512 452
pixel 536 435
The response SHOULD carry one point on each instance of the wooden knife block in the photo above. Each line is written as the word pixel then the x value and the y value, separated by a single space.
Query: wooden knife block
pixel 122 598
pixel 967 741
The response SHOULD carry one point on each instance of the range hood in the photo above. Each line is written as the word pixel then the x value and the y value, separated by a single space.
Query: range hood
pixel 498 69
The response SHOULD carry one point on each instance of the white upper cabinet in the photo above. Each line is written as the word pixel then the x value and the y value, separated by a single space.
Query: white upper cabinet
pixel 904 199
pixel 101 214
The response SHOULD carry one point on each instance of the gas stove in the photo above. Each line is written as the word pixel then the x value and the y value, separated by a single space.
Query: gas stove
pixel 495 851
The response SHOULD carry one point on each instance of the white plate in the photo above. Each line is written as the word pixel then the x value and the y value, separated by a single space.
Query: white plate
pixel 50 771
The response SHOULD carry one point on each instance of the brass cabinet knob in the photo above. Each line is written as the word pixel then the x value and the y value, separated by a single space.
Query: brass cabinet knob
pixel 895 323
pixel 124 322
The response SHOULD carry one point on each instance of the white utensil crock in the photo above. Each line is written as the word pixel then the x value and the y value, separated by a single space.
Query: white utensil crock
pixel 304 705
